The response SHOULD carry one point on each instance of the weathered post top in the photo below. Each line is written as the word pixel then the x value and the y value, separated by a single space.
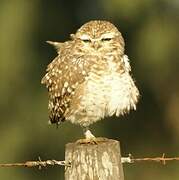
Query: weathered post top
pixel 100 161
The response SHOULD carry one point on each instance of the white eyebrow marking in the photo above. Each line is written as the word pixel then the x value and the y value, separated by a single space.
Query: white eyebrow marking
pixel 107 35
pixel 84 37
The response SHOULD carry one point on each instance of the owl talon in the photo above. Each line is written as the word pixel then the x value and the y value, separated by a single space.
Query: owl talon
pixel 92 141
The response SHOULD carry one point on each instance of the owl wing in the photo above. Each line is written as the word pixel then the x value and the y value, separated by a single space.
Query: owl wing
pixel 64 74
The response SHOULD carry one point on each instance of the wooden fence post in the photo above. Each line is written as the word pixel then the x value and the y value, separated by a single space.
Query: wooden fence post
pixel 101 161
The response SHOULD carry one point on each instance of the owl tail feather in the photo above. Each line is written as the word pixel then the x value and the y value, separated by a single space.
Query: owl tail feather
pixel 56 120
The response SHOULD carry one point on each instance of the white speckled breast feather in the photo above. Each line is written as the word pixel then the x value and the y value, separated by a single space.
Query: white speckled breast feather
pixel 105 95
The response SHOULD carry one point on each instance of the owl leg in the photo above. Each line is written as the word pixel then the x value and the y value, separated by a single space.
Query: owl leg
pixel 89 137
pixel 88 134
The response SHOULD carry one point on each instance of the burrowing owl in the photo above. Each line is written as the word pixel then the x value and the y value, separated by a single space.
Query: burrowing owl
pixel 90 78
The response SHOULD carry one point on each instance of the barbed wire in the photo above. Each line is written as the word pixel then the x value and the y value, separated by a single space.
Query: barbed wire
pixel 129 159
pixel 38 163
pixel 163 159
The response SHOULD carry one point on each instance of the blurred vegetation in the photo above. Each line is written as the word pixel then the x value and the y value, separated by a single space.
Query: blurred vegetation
pixel 150 29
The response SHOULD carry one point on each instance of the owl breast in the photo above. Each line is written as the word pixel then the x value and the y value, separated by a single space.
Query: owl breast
pixel 103 94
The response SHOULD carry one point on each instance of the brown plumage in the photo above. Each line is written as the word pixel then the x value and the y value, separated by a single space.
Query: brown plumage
pixel 90 78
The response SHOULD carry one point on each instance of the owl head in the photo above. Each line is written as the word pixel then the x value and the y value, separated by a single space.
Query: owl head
pixel 99 36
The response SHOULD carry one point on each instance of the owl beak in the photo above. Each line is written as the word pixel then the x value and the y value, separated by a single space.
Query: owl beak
pixel 96 45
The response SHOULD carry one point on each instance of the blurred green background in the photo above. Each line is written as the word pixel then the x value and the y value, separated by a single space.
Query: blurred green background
pixel 150 29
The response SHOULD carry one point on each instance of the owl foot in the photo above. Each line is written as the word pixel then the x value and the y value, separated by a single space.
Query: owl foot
pixel 89 138
pixel 87 141
pixel 92 141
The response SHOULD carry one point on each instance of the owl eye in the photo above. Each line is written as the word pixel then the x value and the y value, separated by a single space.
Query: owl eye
pixel 86 40
pixel 106 39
